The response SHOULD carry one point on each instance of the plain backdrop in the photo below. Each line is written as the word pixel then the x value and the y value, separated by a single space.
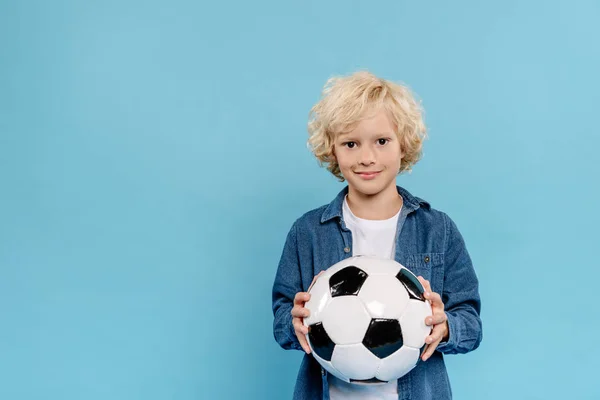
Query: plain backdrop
pixel 153 157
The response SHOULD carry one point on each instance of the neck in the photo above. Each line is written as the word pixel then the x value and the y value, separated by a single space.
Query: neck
pixel 379 206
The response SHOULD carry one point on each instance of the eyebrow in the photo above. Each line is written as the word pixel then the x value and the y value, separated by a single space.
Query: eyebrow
pixel 351 136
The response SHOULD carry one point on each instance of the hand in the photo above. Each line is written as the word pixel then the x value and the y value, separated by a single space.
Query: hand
pixel 439 320
pixel 298 315
pixel 299 312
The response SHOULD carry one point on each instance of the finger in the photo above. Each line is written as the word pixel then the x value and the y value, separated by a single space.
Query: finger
pixel 436 335
pixel 424 352
pixel 426 285
pixel 304 344
pixel 299 326
pixel 301 298
pixel 427 353
pixel 435 301
pixel 300 312
pixel 430 349
pixel 439 318
pixel 436 318
pixel 314 280
pixel 301 331
pixel 318 275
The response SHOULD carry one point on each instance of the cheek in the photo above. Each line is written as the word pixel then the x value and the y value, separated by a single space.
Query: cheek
pixel 344 166
pixel 344 161
pixel 392 159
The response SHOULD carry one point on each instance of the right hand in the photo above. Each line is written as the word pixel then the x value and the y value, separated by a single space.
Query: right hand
pixel 298 315
pixel 299 312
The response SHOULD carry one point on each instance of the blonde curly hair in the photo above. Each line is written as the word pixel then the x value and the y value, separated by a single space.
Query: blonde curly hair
pixel 346 100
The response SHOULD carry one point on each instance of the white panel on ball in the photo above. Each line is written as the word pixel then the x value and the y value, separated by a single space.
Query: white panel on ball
pixel 355 361
pixel 384 296
pixel 398 364
pixel 412 323
pixel 330 368
pixel 319 297
pixel 379 266
pixel 345 320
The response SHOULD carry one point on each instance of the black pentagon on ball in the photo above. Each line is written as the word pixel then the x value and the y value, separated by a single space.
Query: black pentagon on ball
pixel 368 381
pixel 347 281
pixel 320 341
pixel 383 337
pixel 411 283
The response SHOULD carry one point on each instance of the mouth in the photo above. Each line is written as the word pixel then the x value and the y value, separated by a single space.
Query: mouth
pixel 368 175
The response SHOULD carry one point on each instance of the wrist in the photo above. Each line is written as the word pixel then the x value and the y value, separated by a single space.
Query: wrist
pixel 447 332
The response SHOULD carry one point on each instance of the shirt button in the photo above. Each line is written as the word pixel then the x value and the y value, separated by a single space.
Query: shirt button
pixel 346 249
pixel 426 259
pixel 322 372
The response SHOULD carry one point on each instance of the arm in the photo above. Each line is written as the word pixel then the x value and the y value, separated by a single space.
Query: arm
pixel 460 296
pixel 287 283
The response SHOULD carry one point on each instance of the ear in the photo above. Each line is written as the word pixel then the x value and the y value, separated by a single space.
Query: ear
pixel 401 158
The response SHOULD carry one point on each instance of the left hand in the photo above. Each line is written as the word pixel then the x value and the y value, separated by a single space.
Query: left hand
pixel 439 320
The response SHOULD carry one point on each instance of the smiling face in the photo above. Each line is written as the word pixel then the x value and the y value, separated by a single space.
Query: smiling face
pixel 369 156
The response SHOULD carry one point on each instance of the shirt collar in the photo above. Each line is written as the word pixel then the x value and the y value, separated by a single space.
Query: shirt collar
pixel 334 209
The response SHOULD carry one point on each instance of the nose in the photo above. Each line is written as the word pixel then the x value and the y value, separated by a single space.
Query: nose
pixel 367 156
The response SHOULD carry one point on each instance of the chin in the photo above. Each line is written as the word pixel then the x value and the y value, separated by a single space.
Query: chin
pixel 368 188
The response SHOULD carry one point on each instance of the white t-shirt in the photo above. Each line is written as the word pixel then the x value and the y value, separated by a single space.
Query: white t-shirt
pixel 369 238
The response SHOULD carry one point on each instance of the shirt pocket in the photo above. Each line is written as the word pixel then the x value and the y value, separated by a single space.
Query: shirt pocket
pixel 430 266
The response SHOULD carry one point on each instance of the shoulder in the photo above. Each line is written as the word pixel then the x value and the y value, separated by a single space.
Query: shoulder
pixel 310 219
pixel 432 213
pixel 424 210
pixel 430 217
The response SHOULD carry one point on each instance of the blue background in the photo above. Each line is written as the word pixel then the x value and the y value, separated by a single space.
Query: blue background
pixel 153 157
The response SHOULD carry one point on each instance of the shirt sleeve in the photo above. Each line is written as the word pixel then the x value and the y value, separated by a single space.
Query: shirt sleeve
pixel 287 283
pixel 462 302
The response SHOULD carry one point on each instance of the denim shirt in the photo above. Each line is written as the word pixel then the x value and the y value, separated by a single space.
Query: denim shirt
pixel 427 242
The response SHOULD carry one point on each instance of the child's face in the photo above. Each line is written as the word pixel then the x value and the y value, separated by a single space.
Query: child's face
pixel 369 155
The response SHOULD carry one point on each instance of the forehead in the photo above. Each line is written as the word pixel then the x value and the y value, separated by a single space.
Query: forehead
pixel 375 125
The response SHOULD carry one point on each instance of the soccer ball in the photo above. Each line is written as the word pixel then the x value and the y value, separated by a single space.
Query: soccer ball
pixel 367 320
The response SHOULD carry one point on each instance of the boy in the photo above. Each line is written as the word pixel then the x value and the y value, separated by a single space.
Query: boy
pixel 368 130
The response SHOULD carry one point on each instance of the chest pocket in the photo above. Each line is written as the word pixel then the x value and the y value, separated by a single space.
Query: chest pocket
pixel 428 265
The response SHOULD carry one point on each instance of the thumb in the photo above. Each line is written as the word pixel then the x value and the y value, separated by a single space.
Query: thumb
pixel 315 279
